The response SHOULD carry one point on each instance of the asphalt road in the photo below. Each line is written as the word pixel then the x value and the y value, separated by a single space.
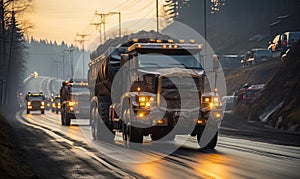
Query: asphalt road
pixel 70 152
pixel 232 158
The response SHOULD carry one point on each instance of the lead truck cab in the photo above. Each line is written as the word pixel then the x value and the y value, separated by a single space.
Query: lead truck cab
pixel 150 87
pixel 35 102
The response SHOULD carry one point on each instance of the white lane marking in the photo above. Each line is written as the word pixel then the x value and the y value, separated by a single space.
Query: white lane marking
pixel 71 143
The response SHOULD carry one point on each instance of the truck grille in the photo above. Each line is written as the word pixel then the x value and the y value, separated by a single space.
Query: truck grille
pixel 36 104
pixel 180 92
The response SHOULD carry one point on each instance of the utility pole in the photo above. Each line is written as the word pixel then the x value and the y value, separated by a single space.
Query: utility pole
pixel 81 41
pixel 63 62
pixel 102 20
pixel 98 25
pixel 204 20
pixel 157 20
pixel 119 13
pixel 70 51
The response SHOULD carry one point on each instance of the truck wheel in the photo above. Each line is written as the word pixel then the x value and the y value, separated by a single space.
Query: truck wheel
pixel 56 111
pixel 211 145
pixel 100 131
pixel 28 112
pixel 93 122
pixel 63 116
pixel 42 111
pixel 134 134
pixel 62 119
pixel 164 134
pixel 68 119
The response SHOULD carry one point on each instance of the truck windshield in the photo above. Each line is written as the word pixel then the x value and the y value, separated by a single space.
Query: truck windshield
pixel 35 98
pixel 79 90
pixel 169 61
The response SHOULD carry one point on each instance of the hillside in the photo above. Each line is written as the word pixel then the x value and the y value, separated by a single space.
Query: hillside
pixel 279 104
pixel 258 74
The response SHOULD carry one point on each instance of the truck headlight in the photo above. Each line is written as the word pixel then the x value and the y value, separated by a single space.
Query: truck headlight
pixel 145 101
pixel 206 99
pixel 42 103
pixel 29 103
pixel 71 103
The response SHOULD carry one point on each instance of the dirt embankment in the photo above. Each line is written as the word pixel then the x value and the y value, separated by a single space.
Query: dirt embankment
pixel 279 103
pixel 257 74
pixel 10 164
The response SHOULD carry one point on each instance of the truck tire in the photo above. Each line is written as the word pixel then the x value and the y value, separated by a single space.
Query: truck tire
pixel 134 134
pixel 63 115
pixel 211 145
pixel 100 131
pixel 68 119
pixel 93 122
pixel 56 111
pixel 62 119
pixel 28 112
pixel 163 133
pixel 42 111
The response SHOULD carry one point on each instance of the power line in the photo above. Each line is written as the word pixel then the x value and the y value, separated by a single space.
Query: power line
pixel 131 13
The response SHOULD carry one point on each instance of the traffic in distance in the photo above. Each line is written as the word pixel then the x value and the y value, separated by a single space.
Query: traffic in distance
pixel 158 91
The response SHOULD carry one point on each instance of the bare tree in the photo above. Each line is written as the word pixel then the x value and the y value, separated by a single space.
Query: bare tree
pixel 13 48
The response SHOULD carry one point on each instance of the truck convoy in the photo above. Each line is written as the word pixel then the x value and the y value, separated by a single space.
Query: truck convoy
pixel 74 99
pixel 151 87
pixel 35 102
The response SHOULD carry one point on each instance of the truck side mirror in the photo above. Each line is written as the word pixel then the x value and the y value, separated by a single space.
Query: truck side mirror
pixel 124 58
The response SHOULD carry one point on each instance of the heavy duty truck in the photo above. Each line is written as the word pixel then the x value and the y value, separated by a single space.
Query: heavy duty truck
pixel 74 99
pixel 150 87
pixel 35 102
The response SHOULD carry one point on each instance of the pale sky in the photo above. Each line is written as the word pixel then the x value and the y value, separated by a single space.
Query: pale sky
pixel 63 19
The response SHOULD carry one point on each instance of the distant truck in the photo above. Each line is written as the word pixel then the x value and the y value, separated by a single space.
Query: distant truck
pixel 148 101
pixel 257 55
pixel 74 99
pixel 248 93
pixel 35 102
pixel 55 103
pixel 284 41
pixel 252 92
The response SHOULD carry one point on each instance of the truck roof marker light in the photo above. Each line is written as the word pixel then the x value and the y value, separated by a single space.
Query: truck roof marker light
pixel 181 41
pixel 192 41
pixel 135 40
pixel 170 46
pixel 164 46
pixel 175 46
pixel 139 46
pixel 170 40
pixel 158 41
pixel 200 46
